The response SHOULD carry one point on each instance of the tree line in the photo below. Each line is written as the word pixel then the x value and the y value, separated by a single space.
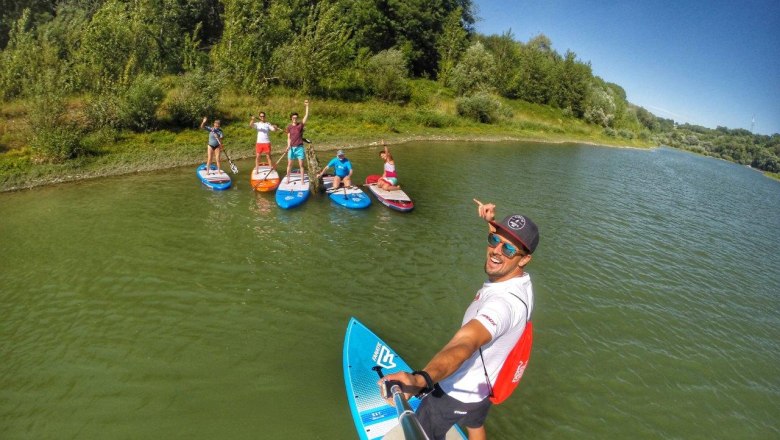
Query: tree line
pixel 142 64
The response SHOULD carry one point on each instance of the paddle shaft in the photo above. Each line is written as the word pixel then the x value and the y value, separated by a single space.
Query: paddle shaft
pixel 406 416
pixel 277 163
pixel 233 166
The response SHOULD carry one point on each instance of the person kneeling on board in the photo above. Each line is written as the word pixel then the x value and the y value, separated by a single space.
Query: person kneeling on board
pixel 343 169
pixel 456 379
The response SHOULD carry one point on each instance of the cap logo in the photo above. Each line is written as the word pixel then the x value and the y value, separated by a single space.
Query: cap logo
pixel 516 222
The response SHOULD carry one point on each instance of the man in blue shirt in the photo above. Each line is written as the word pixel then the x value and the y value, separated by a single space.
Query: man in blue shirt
pixel 343 169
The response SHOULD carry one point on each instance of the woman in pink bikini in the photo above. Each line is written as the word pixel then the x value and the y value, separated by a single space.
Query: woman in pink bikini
pixel 389 179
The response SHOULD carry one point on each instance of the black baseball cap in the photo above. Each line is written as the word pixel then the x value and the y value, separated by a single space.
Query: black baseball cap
pixel 521 229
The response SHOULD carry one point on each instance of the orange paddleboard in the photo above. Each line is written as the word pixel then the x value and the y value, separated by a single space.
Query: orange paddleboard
pixel 264 178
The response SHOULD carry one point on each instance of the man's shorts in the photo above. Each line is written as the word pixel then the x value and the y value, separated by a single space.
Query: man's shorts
pixel 438 412
pixel 296 152
pixel 263 148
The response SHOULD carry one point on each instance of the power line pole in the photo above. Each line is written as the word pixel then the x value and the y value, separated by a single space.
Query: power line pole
pixel 753 123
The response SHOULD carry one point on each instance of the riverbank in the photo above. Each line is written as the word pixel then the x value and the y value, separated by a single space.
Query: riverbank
pixel 331 125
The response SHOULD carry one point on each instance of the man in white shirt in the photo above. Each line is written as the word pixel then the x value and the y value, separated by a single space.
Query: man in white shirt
pixel 456 376
pixel 263 145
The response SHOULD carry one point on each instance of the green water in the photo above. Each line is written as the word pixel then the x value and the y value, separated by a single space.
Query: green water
pixel 147 306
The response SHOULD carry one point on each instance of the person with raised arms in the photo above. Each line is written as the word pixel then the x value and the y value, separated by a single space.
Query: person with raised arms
pixel 458 378
pixel 295 140
pixel 389 179
pixel 263 144
pixel 214 144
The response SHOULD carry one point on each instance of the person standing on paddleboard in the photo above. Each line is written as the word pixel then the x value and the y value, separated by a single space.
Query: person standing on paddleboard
pixel 343 169
pixel 295 140
pixel 456 379
pixel 263 144
pixel 215 143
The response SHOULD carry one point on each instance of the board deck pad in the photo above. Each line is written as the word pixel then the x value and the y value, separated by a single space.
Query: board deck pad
pixel 293 193
pixel 351 197
pixel 374 418
pixel 262 173
pixel 218 180
pixel 264 178
pixel 396 199
pixel 396 194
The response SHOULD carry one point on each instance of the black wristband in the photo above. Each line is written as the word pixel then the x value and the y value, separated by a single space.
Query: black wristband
pixel 428 380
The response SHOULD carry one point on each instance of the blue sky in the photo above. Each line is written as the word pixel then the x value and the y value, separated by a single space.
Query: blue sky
pixel 708 63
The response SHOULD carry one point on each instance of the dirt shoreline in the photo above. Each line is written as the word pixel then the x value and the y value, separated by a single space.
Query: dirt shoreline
pixel 148 166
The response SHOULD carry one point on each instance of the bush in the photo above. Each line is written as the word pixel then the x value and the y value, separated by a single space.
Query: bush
pixel 103 110
pixel 431 119
pixel 56 141
pixel 481 107
pixel 387 76
pixel 56 135
pixel 347 85
pixel 196 97
pixel 138 105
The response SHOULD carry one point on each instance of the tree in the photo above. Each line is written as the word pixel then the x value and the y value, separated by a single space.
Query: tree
pixel 450 44
pixel 571 80
pixel 387 76
pixel 118 43
pixel 252 32
pixel 319 51
pixel 506 55
pixel 535 75
pixel 474 72
pixel 16 61
pixel 414 26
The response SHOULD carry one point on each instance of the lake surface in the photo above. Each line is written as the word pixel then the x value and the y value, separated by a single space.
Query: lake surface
pixel 147 306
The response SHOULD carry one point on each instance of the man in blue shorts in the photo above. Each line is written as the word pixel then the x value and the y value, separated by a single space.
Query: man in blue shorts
pixel 295 140
pixel 343 169
pixel 456 378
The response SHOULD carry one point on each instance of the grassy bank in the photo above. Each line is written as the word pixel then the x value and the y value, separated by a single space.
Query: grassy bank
pixel 431 115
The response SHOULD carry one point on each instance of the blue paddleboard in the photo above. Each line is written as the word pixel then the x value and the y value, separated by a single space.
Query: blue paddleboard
pixel 352 197
pixel 293 193
pixel 214 180
pixel 374 418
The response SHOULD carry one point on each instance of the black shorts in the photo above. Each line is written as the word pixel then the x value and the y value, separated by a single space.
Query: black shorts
pixel 438 412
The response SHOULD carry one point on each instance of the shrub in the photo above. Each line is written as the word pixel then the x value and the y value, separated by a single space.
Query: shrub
pixel 138 105
pixel 103 110
pixel 431 119
pixel 475 71
pixel 387 76
pixel 196 97
pixel 481 107
pixel 56 136
pixel 347 85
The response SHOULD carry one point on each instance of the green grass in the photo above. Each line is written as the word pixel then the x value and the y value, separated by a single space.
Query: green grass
pixel 431 114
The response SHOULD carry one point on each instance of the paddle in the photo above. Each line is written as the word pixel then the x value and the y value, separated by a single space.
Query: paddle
pixel 233 166
pixel 406 416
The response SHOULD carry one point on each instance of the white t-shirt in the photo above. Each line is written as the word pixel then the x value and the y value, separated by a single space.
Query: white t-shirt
pixel 262 132
pixel 498 307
